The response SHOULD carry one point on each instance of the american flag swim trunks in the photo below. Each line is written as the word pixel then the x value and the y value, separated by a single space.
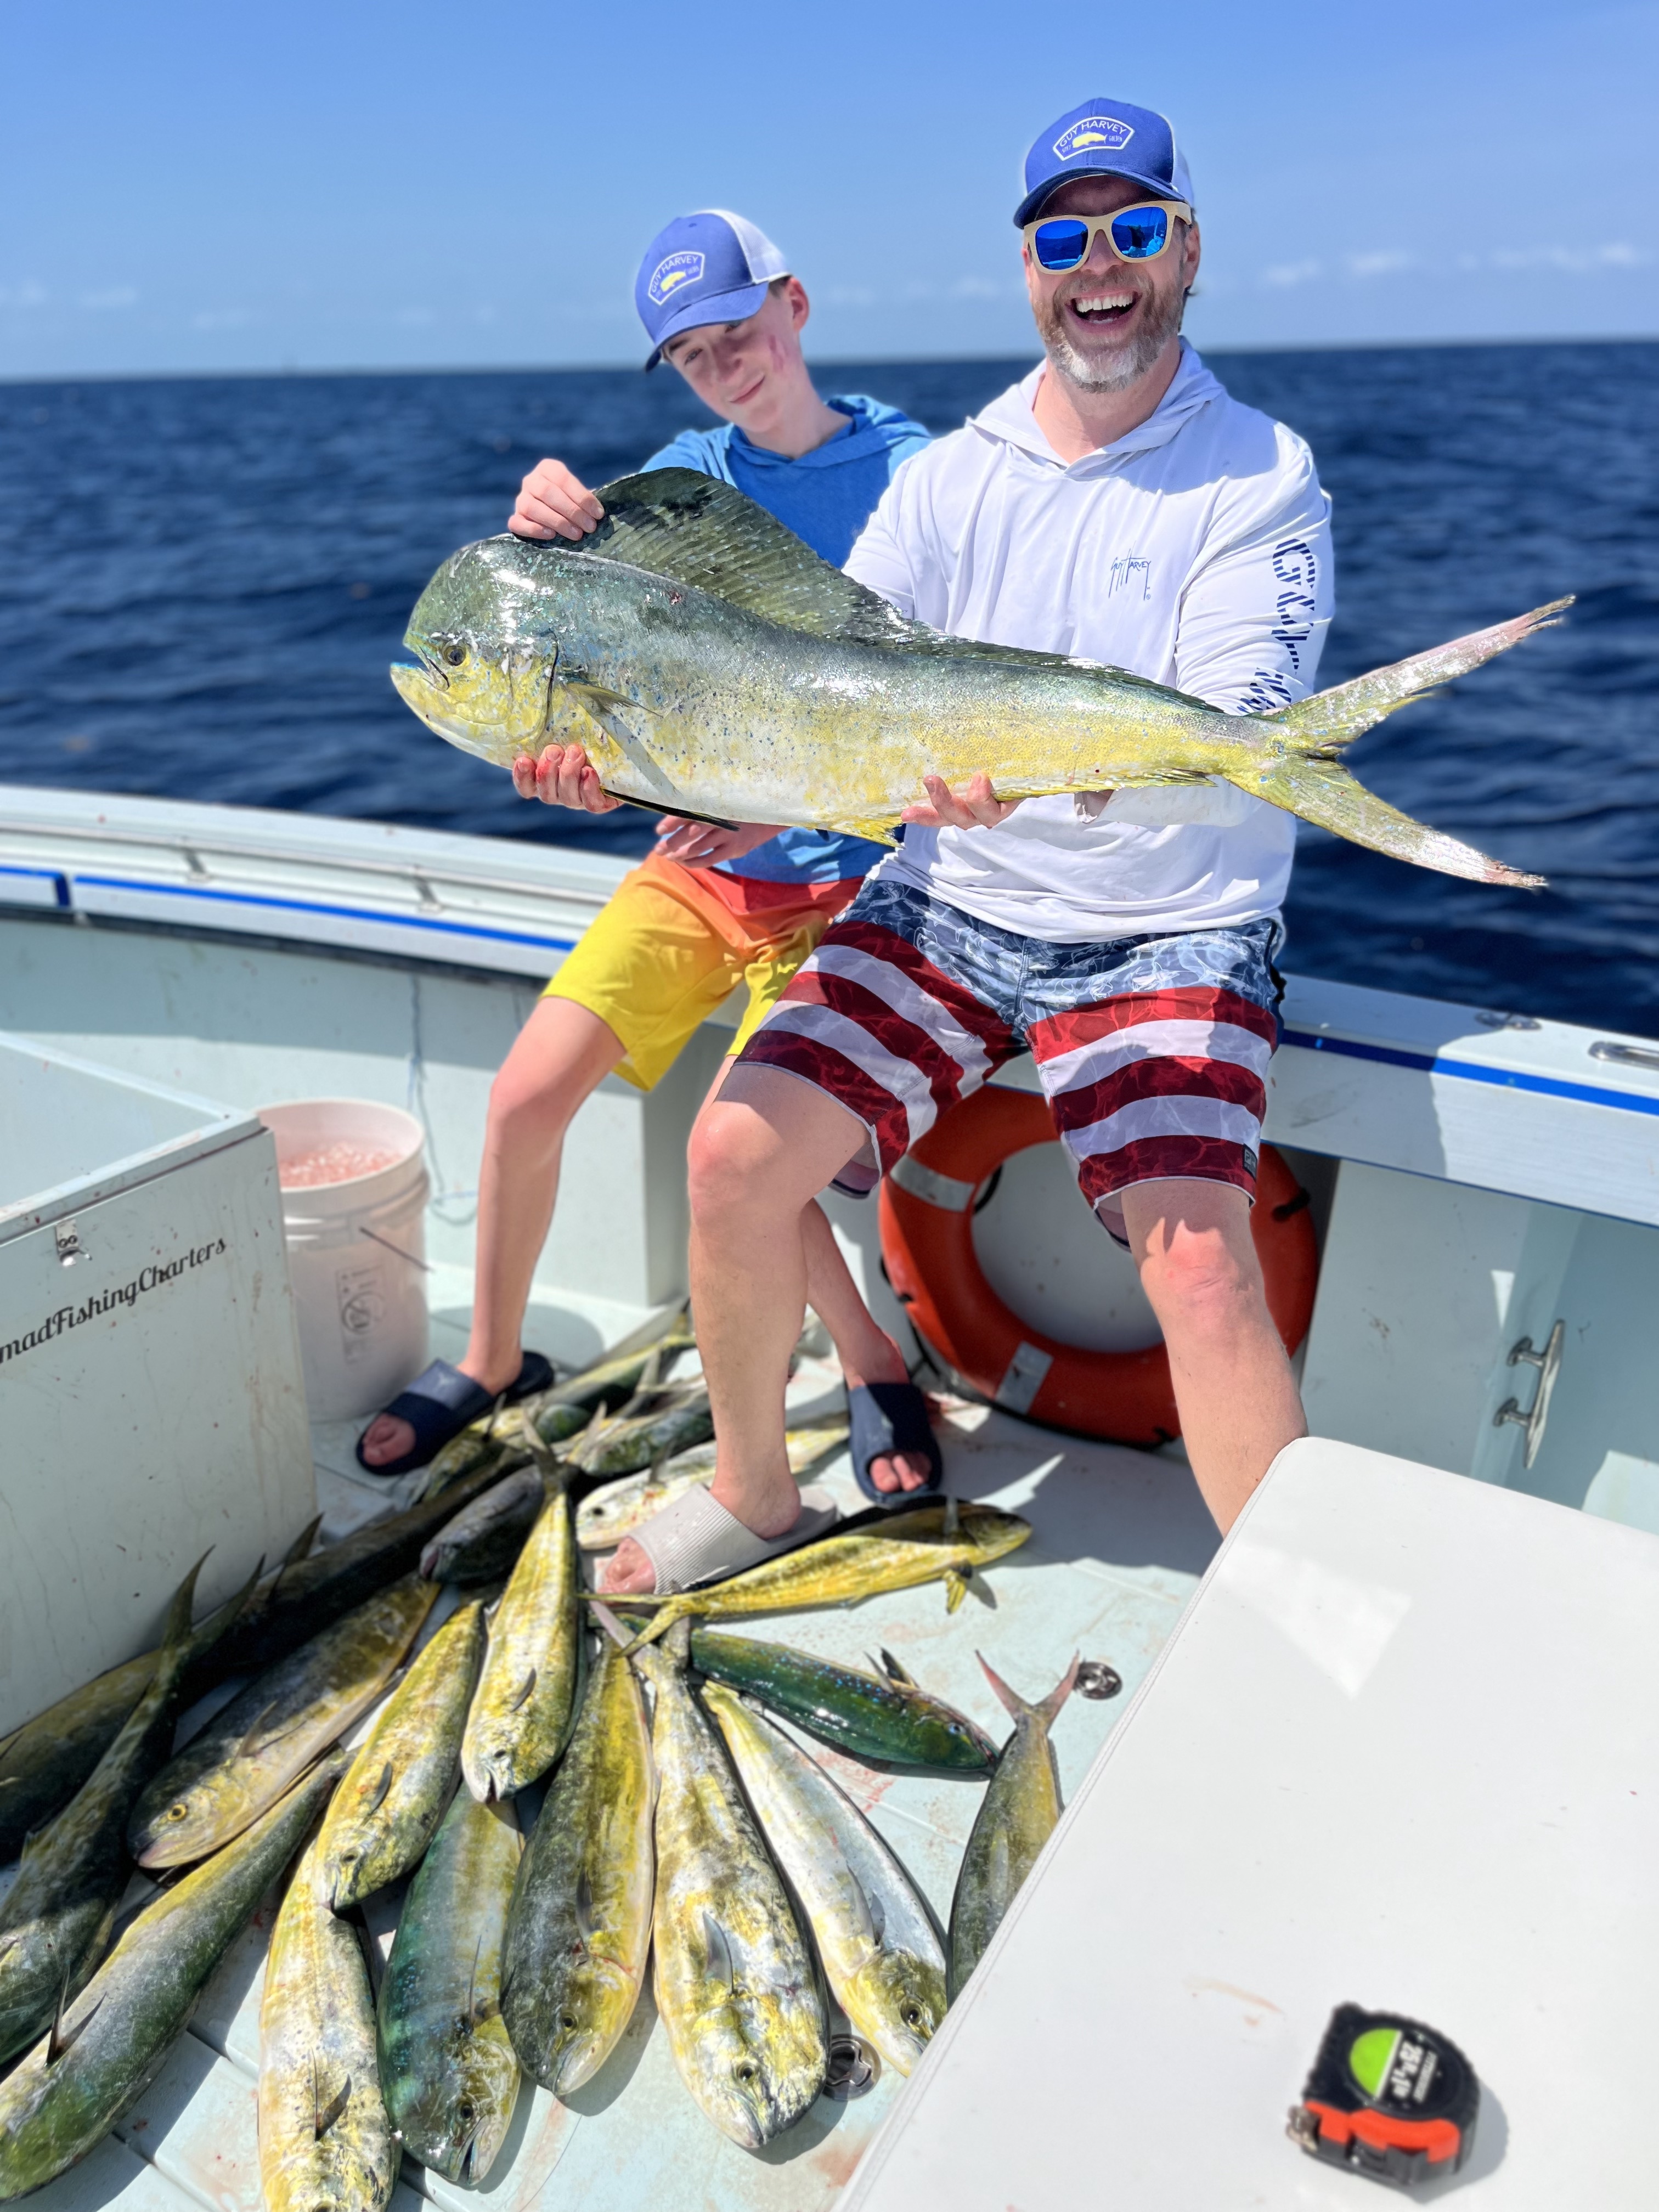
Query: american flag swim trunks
pixel 1152 1052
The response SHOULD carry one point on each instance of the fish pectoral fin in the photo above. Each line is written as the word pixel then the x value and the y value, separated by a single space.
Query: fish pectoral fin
pixel 381 1790
pixel 956 1589
pixel 323 2117
pixel 60 2038
pixel 870 1912
pixel 586 1918
pixel 595 695
pixel 525 1689
pixel 718 1951
pixel 878 833
pixel 894 1672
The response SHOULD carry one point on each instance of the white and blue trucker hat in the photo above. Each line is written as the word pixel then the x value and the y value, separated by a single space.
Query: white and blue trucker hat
pixel 1105 138
pixel 710 267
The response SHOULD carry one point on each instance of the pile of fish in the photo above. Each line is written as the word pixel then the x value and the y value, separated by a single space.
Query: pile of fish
pixel 680 1826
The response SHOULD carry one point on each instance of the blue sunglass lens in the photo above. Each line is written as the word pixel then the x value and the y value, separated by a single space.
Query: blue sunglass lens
pixel 1140 233
pixel 1060 245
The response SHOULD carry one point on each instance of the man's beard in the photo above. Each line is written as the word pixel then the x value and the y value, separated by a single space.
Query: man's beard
pixel 1125 364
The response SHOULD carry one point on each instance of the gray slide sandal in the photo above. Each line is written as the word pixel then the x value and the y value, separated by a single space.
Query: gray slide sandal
pixel 696 1540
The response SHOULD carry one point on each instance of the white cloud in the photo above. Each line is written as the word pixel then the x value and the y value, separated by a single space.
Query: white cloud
pixel 26 294
pixel 1288 273
pixel 1385 264
pixel 849 295
pixel 115 295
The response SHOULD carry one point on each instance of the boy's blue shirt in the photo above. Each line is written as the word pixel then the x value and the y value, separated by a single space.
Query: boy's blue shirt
pixel 825 497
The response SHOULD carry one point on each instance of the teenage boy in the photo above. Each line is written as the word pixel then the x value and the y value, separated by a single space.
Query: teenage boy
pixel 1119 505
pixel 709 909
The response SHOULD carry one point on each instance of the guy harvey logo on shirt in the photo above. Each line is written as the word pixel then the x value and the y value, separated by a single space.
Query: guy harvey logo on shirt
pixel 1131 573
pixel 673 274
pixel 1094 134
pixel 153 1278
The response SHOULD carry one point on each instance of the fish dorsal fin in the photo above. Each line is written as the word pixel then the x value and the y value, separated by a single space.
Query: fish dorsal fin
pixel 895 1673
pixel 693 529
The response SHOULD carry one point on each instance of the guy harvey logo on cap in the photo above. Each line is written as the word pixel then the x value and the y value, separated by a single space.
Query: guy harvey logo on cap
pixel 672 275
pixel 1094 134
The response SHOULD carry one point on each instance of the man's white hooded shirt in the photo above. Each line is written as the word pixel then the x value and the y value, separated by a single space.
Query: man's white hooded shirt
pixel 1195 550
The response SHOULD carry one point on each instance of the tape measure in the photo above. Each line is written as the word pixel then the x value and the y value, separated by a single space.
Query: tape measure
pixel 1387 2097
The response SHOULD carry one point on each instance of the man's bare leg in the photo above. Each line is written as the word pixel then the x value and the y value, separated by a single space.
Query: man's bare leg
pixel 760 1154
pixel 558 1058
pixel 1237 1400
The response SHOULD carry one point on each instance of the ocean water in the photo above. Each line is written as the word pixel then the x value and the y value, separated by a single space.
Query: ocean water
pixel 203 582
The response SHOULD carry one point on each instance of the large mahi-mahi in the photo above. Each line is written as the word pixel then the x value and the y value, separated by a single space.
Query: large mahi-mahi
pixel 734 1980
pixel 713 666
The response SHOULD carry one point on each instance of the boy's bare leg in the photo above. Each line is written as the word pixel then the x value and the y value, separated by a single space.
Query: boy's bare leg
pixel 558 1058
pixel 1237 1398
pixel 760 1154
pixel 866 1353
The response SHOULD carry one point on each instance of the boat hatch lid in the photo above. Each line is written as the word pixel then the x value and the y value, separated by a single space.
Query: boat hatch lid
pixel 1398 1752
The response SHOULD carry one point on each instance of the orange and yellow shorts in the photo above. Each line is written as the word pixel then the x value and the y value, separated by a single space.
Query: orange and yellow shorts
pixel 673 944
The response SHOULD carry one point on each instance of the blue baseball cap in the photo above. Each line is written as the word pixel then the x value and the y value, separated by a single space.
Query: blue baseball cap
pixel 1105 138
pixel 710 267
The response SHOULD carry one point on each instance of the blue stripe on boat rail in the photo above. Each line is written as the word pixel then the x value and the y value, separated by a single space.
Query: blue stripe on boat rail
pixel 340 913
pixel 59 882
pixel 1428 1063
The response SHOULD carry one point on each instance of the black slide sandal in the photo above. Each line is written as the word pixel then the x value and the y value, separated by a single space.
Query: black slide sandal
pixel 888 1418
pixel 441 1402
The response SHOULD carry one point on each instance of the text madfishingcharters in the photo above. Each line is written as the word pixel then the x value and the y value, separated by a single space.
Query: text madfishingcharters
pixel 125 1294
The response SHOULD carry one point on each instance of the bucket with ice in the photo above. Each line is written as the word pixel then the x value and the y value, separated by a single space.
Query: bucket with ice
pixel 355 1188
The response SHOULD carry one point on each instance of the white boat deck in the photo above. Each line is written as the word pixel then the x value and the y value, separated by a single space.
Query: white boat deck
pixel 1120 1539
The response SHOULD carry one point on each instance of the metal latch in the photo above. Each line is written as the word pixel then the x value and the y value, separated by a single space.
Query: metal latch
pixel 1625 1055
pixel 67 1237
pixel 1549 1363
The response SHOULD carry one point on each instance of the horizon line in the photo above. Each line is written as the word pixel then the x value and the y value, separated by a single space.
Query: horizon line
pixel 22 379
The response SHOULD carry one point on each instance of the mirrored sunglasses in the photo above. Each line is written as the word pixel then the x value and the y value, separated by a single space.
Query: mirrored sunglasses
pixel 1059 242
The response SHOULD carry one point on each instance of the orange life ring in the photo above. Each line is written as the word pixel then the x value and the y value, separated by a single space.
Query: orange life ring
pixel 927 1242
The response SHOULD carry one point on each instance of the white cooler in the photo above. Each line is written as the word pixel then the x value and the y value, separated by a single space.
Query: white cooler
pixel 150 1399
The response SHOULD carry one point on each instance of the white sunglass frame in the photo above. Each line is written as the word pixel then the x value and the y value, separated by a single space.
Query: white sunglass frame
pixel 1101 225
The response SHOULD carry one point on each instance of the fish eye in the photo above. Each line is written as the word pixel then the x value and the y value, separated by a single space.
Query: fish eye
pixel 567 2019
pixel 912 2017
pixel 180 1812
pixel 744 2070
pixel 464 2112
pixel 454 654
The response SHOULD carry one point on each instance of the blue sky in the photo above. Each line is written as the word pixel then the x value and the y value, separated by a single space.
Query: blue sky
pixel 313 184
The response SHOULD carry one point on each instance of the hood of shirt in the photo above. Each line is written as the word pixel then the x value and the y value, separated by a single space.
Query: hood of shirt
pixel 1008 420
pixel 873 428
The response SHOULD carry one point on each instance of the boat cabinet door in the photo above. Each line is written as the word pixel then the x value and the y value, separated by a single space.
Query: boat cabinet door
pixel 1495 1336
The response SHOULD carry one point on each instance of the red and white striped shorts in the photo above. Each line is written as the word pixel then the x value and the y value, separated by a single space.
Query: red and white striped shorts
pixel 1152 1052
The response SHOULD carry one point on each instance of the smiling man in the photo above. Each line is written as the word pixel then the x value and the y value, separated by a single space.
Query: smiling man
pixel 1120 506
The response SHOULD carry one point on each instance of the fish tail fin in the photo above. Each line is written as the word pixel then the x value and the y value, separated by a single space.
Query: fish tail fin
pixel 1318 727
pixel 1324 793
pixel 1012 1703
pixel 1056 1698
pixel 223 1618
pixel 1307 779
pixel 666 1618
pixel 177 1627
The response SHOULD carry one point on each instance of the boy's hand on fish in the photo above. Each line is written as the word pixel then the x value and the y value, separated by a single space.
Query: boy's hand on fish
pixel 703 845
pixel 554 503
pixel 975 806
pixel 563 775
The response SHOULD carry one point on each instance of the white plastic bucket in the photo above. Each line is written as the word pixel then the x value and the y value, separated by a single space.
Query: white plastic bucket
pixel 357 1249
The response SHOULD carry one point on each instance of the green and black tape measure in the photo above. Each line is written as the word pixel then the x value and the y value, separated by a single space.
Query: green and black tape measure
pixel 1387 2097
